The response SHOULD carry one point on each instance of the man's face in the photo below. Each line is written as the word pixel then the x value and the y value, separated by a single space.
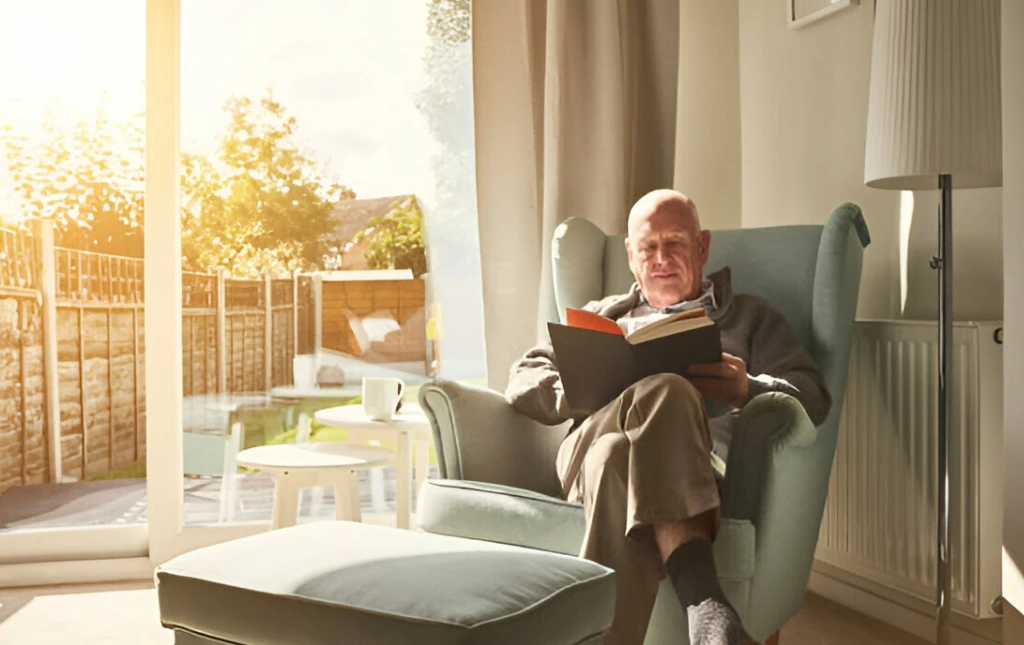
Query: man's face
pixel 667 252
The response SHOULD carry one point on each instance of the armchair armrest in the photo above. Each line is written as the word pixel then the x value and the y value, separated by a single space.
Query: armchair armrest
pixel 478 436
pixel 769 426
pixel 777 479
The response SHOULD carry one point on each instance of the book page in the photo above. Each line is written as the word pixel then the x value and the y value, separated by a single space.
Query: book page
pixel 672 325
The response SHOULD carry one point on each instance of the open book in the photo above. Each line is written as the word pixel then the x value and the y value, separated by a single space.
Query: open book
pixel 597 361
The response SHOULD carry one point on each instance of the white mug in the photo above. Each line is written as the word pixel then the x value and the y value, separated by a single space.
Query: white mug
pixel 304 370
pixel 381 397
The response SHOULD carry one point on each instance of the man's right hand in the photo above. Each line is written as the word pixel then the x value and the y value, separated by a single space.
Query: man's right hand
pixel 724 382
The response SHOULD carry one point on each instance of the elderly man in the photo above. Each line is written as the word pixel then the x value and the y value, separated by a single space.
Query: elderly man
pixel 646 467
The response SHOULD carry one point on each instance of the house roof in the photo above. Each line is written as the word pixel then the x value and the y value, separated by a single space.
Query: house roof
pixel 352 215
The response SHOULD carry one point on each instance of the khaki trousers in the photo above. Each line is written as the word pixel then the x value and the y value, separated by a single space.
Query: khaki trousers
pixel 641 460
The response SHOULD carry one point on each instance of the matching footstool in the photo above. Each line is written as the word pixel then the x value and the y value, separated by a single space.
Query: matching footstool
pixel 328 583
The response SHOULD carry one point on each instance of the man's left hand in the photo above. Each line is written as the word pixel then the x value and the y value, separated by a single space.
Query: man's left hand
pixel 725 382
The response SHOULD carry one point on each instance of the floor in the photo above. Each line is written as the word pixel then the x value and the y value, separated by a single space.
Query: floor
pixel 823 622
pixel 126 614
pixel 123 501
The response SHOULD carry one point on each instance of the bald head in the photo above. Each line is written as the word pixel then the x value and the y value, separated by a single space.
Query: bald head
pixel 666 203
pixel 667 249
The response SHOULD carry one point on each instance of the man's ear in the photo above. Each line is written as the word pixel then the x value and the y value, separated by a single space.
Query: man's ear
pixel 629 258
pixel 705 245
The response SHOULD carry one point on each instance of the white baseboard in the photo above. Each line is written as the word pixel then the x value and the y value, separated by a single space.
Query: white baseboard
pixel 45 574
pixel 891 612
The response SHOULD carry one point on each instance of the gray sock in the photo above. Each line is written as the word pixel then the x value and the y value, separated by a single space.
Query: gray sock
pixel 713 621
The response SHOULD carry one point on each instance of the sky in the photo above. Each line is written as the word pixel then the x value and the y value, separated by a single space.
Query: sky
pixel 346 69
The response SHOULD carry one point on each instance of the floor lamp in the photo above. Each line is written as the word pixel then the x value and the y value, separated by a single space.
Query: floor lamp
pixel 934 123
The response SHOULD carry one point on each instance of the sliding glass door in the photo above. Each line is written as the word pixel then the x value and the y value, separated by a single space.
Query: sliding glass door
pixel 311 182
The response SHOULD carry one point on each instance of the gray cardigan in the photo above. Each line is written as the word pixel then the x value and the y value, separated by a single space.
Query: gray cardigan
pixel 751 329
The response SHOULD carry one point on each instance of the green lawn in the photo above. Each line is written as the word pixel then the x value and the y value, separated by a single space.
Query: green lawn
pixel 132 470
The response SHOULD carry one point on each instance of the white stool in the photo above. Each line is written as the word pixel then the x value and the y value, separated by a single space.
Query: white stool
pixel 409 430
pixel 297 466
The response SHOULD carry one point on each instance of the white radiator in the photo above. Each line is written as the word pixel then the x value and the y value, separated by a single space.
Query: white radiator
pixel 879 524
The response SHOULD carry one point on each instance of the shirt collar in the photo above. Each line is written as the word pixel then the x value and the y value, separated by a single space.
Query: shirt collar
pixel 706 299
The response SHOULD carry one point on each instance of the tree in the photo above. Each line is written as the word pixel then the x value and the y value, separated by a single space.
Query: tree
pixel 446 103
pixel 448 21
pixel 89 180
pixel 261 205
pixel 258 205
pixel 396 239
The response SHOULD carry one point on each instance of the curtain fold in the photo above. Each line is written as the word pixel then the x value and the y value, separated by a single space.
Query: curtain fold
pixel 575 111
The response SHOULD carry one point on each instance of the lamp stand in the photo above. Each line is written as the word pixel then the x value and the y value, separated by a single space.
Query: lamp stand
pixel 944 264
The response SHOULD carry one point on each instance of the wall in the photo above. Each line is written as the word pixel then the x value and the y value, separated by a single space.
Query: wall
pixel 1013 627
pixel 1013 265
pixel 803 106
pixel 707 152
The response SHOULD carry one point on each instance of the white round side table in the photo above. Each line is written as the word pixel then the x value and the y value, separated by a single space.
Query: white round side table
pixel 296 466
pixel 409 429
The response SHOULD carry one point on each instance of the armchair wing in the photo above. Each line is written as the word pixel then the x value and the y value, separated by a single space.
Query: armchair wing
pixel 479 437
pixel 779 462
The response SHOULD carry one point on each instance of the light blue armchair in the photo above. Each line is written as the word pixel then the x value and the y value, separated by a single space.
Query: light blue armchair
pixel 499 482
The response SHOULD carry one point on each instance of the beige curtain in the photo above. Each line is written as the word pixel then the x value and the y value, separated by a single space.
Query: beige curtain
pixel 576 106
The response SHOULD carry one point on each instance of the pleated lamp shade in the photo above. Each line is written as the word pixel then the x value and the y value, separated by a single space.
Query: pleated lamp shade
pixel 934 105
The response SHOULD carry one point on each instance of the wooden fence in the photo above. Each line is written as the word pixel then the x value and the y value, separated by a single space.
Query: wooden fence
pixel 241 335
pixel 80 316
pixel 24 443
pixel 401 301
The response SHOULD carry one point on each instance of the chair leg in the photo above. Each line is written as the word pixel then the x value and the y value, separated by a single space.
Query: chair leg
pixel 317 493
pixel 346 498
pixel 353 489
pixel 229 478
pixel 377 490
pixel 773 639
pixel 303 435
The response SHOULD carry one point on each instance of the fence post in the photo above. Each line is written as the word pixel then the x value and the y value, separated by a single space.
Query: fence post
pixel 222 334
pixel 268 334
pixel 295 316
pixel 51 373
pixel 318 312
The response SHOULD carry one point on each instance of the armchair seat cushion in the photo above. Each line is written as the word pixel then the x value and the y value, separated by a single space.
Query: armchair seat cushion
pixel 497 513
pixel 504 514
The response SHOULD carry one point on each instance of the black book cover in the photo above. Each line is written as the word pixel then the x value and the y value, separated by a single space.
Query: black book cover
pixel 596 367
